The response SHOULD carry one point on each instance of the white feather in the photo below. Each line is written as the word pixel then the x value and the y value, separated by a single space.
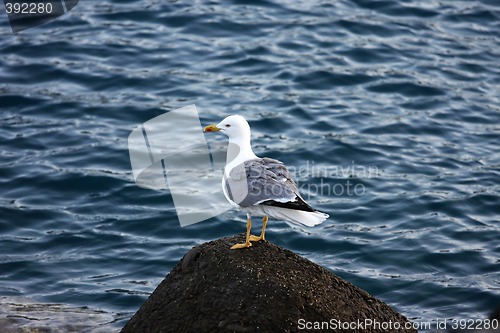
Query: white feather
pixel 309 219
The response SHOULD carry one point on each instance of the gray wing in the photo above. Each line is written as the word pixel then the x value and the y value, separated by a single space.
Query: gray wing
pixel 264 181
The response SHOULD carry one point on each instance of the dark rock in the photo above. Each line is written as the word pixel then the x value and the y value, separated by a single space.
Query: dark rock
pixel 264 288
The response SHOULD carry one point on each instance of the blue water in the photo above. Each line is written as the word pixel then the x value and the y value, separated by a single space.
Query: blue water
pixel 397 99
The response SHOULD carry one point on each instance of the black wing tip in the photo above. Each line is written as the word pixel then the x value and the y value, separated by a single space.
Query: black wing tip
pixel 297 204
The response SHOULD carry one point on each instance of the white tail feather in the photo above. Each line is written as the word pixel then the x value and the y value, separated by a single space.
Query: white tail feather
pixel 309 219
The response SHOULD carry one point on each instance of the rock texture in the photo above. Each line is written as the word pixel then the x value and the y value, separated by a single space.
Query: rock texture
pixel 264 288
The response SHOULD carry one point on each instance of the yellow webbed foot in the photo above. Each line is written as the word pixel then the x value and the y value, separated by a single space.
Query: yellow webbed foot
pixel 255 238
pixel 249 237
pixel 241 246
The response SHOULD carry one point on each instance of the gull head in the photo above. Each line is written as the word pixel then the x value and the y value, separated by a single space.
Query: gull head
pixel 235 127
pixel 238 131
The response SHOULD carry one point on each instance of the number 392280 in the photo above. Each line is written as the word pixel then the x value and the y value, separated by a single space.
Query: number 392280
pixel 28 8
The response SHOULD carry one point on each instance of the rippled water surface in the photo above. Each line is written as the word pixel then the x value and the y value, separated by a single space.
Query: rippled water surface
pixel 389 111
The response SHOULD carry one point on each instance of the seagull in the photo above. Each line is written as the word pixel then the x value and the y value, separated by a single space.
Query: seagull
pixel 259 186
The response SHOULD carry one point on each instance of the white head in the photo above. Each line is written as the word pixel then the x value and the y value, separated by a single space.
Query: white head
pixel 235 127
pixel 238 131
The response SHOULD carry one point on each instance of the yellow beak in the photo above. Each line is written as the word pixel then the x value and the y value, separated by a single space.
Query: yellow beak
pixel 211 128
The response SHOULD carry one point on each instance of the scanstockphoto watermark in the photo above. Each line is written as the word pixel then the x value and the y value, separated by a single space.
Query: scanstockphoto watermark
pixel 333 180
pixel 359 325
pixel 440 324
pixel 351 170
pixel 312 180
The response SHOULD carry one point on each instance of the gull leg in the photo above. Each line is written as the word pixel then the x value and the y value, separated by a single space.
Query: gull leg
pixel 263 233
pixel 247 239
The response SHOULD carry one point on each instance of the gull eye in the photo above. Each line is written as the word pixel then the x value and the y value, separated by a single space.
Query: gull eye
pixel 228 125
